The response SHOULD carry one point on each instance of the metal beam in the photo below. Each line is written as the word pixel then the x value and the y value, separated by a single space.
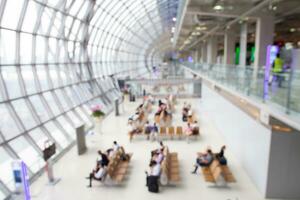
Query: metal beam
pixel 213 14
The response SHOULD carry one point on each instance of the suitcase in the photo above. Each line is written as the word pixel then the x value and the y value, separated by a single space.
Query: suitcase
pixel 152 183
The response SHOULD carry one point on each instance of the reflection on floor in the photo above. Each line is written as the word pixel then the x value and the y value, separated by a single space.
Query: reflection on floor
pixel 73 169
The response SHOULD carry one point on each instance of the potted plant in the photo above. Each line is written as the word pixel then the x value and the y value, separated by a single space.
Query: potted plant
pixel 97 114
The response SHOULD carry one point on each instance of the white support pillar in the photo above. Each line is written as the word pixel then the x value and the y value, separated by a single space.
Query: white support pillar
pixel 229 47
pixel 212 50
pixel 243 44
pixel 204 52
pixel 263 37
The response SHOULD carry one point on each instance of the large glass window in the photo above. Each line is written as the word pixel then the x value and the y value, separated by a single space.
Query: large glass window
pixel 40 109
pixel 6 174
pixel 8 46
pixel 52 103
pixel 43 78
pixel 12 14
pixel 28 78
pixel 27 153
pixel 24 113
pixel 67 126
pixel 39 137
pixel 8 125
pixel 25 48
pixel 30 17
pixel 11 79
pixel 57 134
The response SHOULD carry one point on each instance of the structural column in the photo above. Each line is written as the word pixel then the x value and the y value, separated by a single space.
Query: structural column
pixel 204 52
pixel 212 50
pixel 243 44
pixel 263 37
pixel 229 47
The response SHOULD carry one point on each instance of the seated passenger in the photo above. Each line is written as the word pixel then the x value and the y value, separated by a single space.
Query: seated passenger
pixel 158 156
pixel 221 157
pixel 203 160
pixel 131 130
pixel 147 128
pixel 188 130
pixel 154 132
pixel 102 159
pixel 97 174
pixel 116 146
pixel 195 128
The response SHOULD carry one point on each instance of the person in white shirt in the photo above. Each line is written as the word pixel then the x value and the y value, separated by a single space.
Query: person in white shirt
pixel 116 146
pixel 97 174
pixel 155 169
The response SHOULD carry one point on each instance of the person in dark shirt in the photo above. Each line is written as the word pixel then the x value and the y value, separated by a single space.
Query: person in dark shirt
pixel 103 159
pixel 221 157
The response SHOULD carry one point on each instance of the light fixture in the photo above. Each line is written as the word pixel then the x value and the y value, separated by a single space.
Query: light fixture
pixel 292 30
pixel 172 39
pixel 201 28
pixel 218 7
pixel 174 19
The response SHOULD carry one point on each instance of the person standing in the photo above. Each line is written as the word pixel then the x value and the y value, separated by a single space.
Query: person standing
pixel 278 69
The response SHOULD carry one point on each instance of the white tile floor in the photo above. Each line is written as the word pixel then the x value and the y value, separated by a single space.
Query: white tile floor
pixel 72 168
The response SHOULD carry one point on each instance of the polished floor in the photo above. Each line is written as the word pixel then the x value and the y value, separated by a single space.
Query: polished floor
pixel 73 169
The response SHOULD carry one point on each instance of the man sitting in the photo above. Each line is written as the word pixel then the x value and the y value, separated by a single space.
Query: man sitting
pixel 97 174
pixel 203 160
pixel 102 159
pixel 221 157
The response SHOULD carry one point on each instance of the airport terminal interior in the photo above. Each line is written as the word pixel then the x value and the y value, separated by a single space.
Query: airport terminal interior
pixel 149 99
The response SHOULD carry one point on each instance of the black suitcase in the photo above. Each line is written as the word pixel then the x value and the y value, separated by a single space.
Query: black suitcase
pixel 152 183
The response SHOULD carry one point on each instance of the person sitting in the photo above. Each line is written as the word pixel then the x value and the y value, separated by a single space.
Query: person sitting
pixel 221 157
pixel 158 156
pixel 147 128
pixel 102 159
pixel 97 174
pixel 161 149
pixel 203 160
pixel 131 130
pixel 116 146
pixel 154 132
pixel 195 128
pixel 188 130
pixel 185 111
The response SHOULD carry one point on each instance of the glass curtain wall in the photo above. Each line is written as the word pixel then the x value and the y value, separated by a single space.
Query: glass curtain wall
pixel 57 58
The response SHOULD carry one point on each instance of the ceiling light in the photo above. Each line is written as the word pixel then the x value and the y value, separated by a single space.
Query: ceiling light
pixel 292 30
pixel 172 39
pixel 218 7
pixel 174 19
pixel 201 28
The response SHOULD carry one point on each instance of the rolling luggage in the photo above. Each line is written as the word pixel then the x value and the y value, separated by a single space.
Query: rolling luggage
pixel 152 183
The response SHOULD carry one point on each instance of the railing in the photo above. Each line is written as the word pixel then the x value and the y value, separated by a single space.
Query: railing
pixel 281 90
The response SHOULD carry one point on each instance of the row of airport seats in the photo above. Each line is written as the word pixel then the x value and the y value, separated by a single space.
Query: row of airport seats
pixel 215 171
pixel 170 133
pixel 170 168
pixel 118 166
